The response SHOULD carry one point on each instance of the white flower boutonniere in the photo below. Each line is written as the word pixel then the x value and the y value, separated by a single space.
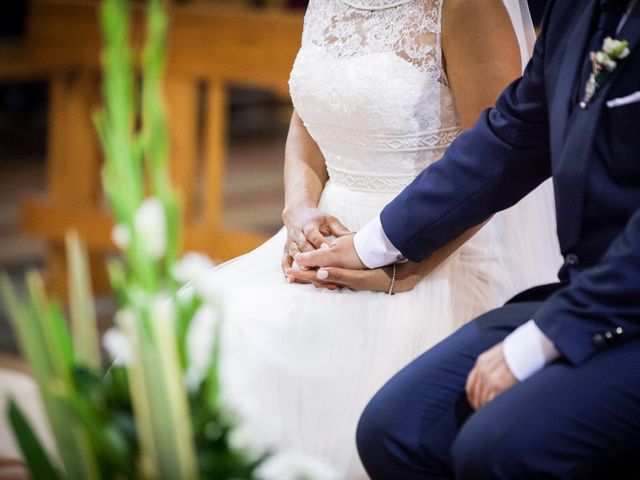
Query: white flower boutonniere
pixel 602 62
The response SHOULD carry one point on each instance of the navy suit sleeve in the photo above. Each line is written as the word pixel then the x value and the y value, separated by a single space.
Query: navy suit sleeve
pixel 601 301
pixel 485 170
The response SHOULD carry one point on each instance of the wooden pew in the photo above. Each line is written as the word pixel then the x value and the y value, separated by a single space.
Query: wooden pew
pixel 210 48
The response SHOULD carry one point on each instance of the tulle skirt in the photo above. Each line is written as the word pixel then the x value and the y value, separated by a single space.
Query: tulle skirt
pixel 299 364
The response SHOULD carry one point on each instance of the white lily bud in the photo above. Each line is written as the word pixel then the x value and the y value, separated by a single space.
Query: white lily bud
pixel 191 267
pixel 117 345
pixel 151 227
pixel 121 236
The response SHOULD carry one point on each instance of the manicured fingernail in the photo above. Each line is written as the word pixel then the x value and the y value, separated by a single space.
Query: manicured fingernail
pixel 324 246
pixel 289 279
pixel 322 274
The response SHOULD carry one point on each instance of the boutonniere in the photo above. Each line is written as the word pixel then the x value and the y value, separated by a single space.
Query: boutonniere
pixel 602 62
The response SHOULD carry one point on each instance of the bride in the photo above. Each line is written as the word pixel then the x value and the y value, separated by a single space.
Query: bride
pixel 380 89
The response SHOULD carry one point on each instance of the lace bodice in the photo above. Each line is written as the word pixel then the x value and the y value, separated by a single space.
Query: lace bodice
pixel 370 86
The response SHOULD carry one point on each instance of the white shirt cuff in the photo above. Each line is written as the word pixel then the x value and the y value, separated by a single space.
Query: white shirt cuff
pixel 374 248
pixel 527 350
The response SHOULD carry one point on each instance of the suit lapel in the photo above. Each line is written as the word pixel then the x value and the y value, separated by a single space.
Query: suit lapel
pixel 573 162
pixel 569 73
pixel 630 29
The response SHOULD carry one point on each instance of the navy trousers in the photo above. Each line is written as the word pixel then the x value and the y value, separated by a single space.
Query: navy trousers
pixel 562 423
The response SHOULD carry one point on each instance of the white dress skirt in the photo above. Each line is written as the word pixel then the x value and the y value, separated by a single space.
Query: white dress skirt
pixel 298 363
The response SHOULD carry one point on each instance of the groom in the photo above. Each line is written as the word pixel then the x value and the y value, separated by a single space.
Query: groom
pixel 547 386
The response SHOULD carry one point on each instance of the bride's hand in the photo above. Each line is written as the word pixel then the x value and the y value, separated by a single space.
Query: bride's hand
pixel 377 280
pixel 306 231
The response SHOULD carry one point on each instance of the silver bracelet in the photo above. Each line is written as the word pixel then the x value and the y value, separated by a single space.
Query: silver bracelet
pixel 393 280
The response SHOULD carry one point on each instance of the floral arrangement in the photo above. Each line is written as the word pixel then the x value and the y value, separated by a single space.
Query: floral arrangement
pixel 603 61
pixel 155 410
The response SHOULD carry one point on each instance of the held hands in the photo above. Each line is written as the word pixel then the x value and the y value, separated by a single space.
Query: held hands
pixel 306 232
pixel 489 377
pixel 341 253
pixel 377 280
pixel 337 266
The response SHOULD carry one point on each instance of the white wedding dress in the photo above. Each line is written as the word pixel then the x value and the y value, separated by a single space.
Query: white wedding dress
pixel 299 363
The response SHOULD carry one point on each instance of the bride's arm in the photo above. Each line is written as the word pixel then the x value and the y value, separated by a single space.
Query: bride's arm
pixel 481 54
pixel 481 57
pixel 304 169
pixel 305 175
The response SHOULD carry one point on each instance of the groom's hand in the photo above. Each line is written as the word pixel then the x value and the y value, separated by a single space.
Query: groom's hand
pixel 341 253
pixel 489 378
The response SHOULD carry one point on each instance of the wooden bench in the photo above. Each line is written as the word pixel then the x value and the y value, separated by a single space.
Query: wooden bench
pixel 210 48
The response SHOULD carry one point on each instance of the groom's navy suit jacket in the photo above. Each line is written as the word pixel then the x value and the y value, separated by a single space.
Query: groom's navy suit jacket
pixel 536 130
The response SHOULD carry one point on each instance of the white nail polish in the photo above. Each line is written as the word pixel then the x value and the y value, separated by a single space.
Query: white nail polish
pixel 322 274
pixel 324 246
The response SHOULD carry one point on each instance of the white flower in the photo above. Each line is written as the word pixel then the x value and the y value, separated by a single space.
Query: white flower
pixel 610 65
pixel 151 227
pixel 610 45
pixel 294 465
pixel 117 345
pixel 200 343
pixel 121 236
pixel 616 49
pixel 602 58
pixel 191 267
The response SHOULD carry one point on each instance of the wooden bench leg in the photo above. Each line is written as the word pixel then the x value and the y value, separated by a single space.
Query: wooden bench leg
pixel 73 165
pixel 215 151
pixel 183 116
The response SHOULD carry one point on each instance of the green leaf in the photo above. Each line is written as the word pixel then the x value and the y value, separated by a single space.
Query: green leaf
pixel 52 328
pixel 34 454
pixel 174 436
pixel 10 297
pixel 118 279
pixel 61 331
pixel 50 354
pixel 212 380
pixel 141 402
pixel 27 332
pixel 83 315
